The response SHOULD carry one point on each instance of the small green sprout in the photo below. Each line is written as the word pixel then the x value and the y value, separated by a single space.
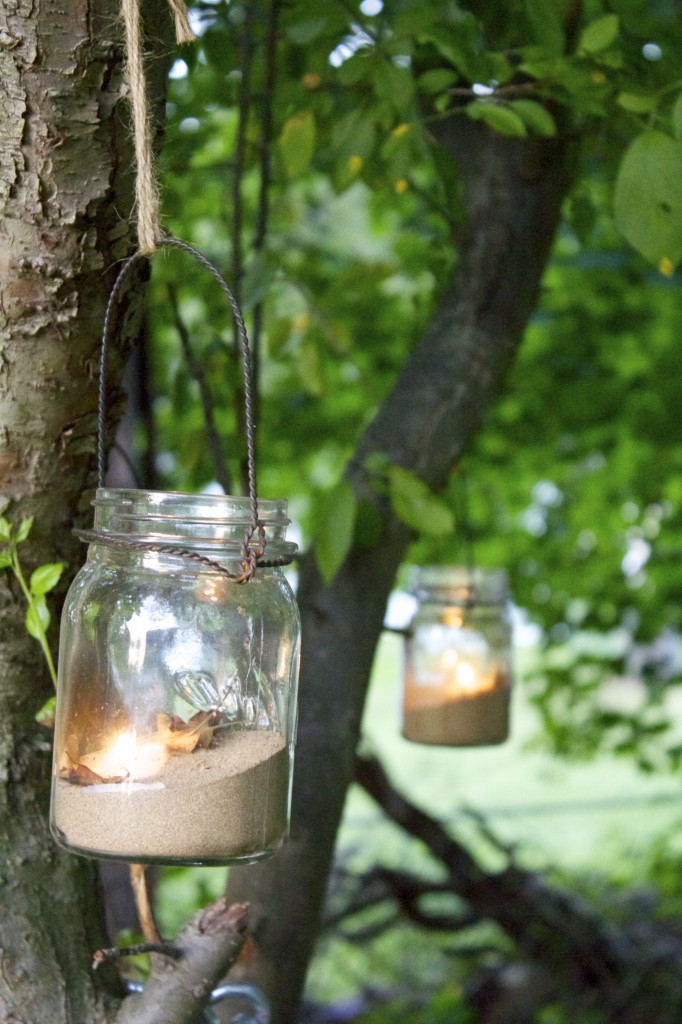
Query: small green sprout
pixel 42 580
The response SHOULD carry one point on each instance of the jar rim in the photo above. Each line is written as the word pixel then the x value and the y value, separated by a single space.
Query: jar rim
pixel 457 584
pixel 196 520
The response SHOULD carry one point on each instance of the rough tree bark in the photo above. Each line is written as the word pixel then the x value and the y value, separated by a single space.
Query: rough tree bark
pixel 65 191
pixel 512 195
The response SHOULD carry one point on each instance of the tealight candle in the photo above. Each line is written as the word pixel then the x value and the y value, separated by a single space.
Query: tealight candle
pixel 128 757
pixel 458 660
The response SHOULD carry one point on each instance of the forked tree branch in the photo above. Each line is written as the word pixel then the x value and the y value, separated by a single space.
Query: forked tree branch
pixel 207 947
pixel 596 963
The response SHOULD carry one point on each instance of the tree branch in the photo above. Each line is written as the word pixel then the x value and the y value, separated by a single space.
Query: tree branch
pixel 609 967
pixel 207 946
pixel 266 132
pixel 244 106
pixel 370 889
pixel 222 473
pixel 105 956
pixel 145 914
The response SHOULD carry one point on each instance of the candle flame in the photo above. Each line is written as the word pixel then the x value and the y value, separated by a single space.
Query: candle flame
pixel 129 756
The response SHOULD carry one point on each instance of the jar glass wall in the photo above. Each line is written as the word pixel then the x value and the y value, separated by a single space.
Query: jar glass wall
pixel 176 704
pixel 457 660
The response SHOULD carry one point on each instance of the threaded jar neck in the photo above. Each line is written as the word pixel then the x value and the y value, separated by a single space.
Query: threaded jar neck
pixel 195 521
pixel 459 585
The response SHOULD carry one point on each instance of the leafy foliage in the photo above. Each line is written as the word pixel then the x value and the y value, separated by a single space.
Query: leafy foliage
pixel 573 483
pixel 42 581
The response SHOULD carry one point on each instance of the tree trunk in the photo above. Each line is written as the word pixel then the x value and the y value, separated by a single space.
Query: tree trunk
pixel 65 187
pixel 512 195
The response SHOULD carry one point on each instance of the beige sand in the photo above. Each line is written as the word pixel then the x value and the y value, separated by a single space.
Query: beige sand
pixel 211 806
pixel 467 722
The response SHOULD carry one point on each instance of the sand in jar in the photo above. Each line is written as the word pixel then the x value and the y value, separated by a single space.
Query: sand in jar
pixel 216 805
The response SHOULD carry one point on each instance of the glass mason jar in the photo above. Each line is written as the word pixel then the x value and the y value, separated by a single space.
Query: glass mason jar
pixel 176 700
pixel 458 661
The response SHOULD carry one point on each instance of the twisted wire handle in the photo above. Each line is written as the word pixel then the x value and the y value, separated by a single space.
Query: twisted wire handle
pixel 251 556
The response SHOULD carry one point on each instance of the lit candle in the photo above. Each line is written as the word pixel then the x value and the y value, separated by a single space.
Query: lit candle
pixel 466 676
pixel 128 757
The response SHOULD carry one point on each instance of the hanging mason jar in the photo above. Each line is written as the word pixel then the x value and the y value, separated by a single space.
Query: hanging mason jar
pixel 176 707
pixel 458 663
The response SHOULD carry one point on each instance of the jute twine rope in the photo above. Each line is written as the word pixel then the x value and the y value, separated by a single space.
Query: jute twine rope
pixel 146 186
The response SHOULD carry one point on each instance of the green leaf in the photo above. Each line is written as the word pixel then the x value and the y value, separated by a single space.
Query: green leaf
pixel 5 559
pixel 437 80
pixel 546 24
pixel 599 34
pixel 394 85
pixel 449 45
pixel 636 103
pixel 648 199
pixel 24 529
pixel 257 281
pixel 46 714
pixel 335 520
pixel 416 505
pixel 279 332
pixel 45 577
pixel 297 142
pixel 219 48
pixel 37 618
pixel 5 529
pixel 535 116
pixel 356 68
pixel 501 118
pixel 676 117
pixel 354 134
pixel 353 139
pixel 582 215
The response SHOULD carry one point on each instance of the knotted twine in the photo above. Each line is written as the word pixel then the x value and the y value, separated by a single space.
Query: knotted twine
pixel 146 185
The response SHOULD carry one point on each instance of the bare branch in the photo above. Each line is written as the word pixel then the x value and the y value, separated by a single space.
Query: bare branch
pixel 105 956
pixel 266 134
pixel 145 914
pixel 196 370
pixel 208 947
pixel 404 891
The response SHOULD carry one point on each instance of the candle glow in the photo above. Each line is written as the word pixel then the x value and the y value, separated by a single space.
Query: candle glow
pixel 128 756
pixel 465 676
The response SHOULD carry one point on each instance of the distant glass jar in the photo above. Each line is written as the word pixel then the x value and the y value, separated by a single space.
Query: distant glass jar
pixel 458 658
pixel 176 701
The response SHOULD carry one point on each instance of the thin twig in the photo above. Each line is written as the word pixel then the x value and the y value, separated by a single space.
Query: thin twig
pixel 143 905
pixel 381 884
pixel 105 956
pixel 244 105
pixel 266 133
pixel 195 368
pixel 500 91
